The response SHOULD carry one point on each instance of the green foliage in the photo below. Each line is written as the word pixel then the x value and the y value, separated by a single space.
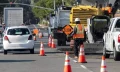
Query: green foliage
pixel 2 6
pixel 43 13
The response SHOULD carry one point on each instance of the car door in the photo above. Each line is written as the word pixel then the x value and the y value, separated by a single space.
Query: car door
pixel 108 34
pixel 116 25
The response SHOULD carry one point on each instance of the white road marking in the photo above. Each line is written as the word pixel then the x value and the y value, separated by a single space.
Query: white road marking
pixel 85 68
pixel 75 61
pixel 80 65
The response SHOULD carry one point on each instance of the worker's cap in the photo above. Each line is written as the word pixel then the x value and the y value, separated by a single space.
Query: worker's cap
pixel 77 19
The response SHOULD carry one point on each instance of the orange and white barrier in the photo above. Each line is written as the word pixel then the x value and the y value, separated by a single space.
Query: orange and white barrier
pixel 34 37
pixel 40 35
pixel 67 66
pixel 50 41
pixel 42 53
pixel 53 45
pixel 81 58
pixel 103 65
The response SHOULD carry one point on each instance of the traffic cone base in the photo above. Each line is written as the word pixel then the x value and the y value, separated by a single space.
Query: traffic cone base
pixel 53 46
pixel 49 44
pixel 67 68
pixel 81 59
pixel 42 53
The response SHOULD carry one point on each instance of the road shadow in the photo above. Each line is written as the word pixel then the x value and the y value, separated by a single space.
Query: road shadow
pixel 16 61
pixel 53 52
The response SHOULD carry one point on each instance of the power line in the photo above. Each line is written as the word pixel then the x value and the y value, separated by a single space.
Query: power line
pixel 28 5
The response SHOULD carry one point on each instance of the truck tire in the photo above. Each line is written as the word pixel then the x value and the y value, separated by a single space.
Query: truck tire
pixel 5 52
pixel 63 43
pixel 105 53
pixel 59 42
pixel 116 54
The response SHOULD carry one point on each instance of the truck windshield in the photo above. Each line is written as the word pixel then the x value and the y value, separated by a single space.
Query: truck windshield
pixel 100 23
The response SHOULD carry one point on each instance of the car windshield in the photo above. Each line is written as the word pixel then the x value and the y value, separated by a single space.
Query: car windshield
pixel 18 31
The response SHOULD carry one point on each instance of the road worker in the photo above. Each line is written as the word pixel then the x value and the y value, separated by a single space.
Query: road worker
pixel 79 36
pixel 107 10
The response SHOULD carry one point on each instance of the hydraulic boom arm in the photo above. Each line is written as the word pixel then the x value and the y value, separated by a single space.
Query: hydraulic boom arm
pixel 115 7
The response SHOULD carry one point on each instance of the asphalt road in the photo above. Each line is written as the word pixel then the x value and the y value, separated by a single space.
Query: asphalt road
pixel 53 61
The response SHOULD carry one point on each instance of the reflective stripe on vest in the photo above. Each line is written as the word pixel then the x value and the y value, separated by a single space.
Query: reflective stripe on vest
pixel 80 31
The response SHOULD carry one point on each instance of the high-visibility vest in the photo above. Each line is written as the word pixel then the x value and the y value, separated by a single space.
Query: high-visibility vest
pixel 80 31
pixel 109 9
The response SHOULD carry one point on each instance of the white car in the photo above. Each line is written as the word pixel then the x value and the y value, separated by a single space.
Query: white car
pixel 18 38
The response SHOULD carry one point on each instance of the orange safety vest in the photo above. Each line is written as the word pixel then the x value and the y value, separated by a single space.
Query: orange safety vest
pixel 80 31
pixel 35 31
pixel 109 9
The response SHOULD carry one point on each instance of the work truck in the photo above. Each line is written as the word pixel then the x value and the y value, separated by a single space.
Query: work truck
pixel 112 39
pixel 13 16
pixel 57 22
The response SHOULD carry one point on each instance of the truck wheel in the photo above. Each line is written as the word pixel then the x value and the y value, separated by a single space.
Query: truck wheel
pixel 105 53
pixel 59 43
pixel 5 52
pixel 64 43
pixel 116 55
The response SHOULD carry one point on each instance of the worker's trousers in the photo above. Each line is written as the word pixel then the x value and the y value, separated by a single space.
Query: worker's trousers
pixel 77 43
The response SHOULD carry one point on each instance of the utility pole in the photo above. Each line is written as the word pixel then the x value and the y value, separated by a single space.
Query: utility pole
pixel 54 6
pixel 63 3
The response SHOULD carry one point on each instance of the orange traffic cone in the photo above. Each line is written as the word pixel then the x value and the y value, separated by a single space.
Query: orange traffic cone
pixel 50 41
pixel 81 58
pixel 67 66
pixel 40 35
pixel 53 44
pixel 34 37
pixel 103 65
pixel 42 53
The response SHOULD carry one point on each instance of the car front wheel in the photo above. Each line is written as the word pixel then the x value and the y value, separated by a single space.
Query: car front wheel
pixel 105 51
pixel 32 51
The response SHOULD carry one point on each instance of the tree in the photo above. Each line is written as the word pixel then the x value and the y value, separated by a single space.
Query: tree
pixel 2 6
pixel 43 13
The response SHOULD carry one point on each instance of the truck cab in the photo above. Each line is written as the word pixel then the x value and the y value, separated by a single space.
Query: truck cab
pixel 57 22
